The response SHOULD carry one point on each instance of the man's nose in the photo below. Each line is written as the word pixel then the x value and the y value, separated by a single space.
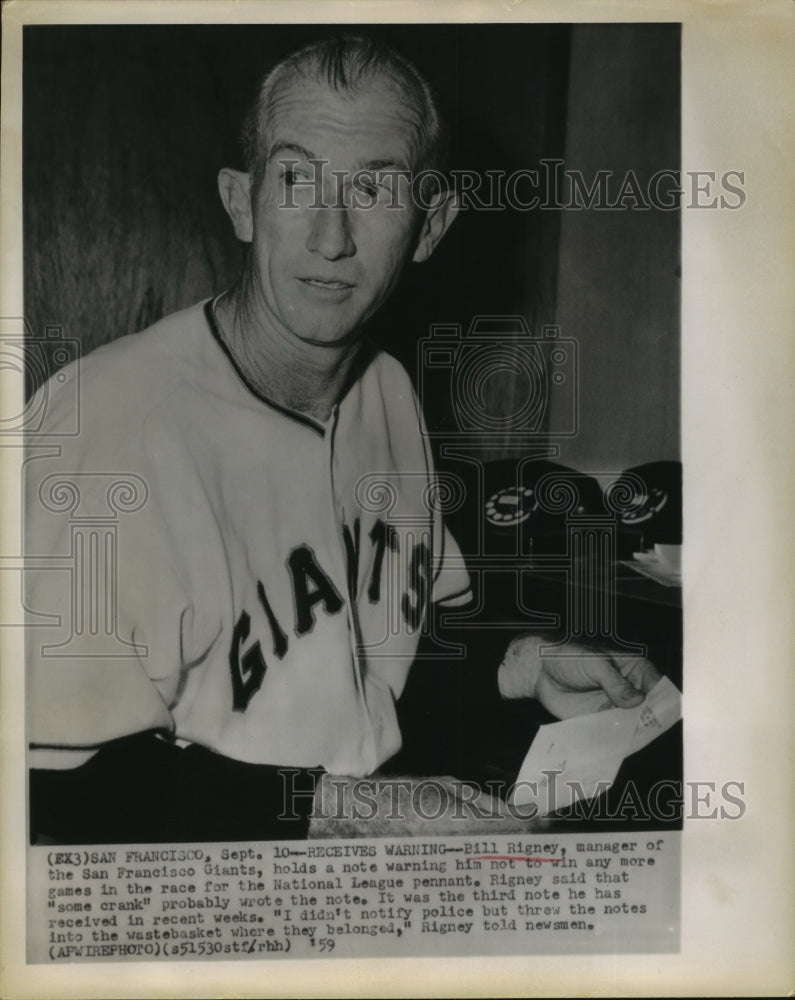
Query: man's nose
pixel 330 232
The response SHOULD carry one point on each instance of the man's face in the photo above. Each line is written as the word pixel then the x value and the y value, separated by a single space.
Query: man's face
pixel 322 272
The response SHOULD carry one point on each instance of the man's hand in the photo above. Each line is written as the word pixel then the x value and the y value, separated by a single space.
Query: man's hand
pixel 577 681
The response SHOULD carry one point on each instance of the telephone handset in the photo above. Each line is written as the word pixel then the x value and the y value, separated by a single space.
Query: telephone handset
pixel 516 517
pixel 654 514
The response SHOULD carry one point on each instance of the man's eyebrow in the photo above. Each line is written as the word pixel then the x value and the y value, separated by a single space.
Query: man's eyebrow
pixel 371 165
pixel 291 147
pixel 384 165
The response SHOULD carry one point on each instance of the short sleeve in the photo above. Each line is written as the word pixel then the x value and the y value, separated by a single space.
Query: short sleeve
pixel 451 584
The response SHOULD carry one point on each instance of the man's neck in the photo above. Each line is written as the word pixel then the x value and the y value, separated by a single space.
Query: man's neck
pixel 307 378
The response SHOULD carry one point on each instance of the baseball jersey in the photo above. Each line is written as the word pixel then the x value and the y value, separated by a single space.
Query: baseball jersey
pixel 260 580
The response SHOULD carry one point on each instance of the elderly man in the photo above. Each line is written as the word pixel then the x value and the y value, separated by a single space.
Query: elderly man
pixel 270 599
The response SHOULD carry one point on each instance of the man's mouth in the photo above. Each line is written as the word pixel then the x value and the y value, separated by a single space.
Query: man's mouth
pixel 333 286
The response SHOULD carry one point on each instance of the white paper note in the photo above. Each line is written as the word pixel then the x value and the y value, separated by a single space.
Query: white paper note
pixel 579 758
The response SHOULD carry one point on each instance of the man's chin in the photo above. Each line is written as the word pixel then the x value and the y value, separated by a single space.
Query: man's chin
pixel 330 336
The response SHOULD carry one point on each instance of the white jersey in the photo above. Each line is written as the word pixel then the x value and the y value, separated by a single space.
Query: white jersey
pixel 271 580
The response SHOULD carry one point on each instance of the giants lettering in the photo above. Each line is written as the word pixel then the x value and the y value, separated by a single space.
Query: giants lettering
pixel 381 535
pixel 248 673
pixel 420 583
pixel 305 570
pixel 312 586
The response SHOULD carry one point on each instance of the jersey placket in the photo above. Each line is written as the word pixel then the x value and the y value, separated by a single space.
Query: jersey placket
pixel 354 632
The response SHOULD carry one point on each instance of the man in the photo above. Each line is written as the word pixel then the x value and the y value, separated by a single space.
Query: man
pixel 276 572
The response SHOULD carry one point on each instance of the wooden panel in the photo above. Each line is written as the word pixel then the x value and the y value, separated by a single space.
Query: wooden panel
pixel 618 290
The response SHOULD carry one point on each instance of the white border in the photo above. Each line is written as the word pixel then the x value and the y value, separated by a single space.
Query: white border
pixel 738 418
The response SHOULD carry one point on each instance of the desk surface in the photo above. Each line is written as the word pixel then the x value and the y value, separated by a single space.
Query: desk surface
pixel 646 795
pixel 626 583
pixel 436 806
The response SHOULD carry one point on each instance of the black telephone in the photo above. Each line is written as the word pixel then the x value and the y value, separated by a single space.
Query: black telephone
pixel 527 504
pixel 654 511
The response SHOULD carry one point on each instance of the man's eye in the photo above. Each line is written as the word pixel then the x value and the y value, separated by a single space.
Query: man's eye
pixel 292 177
pixel 374 185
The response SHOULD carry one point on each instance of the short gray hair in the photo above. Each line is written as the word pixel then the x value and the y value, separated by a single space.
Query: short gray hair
pixel 345 62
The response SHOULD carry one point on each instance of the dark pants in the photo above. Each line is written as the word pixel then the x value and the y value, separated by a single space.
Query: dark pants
pixel 144 790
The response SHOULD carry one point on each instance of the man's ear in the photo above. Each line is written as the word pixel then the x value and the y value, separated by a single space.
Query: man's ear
pixel 234 186
pixel 437 221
